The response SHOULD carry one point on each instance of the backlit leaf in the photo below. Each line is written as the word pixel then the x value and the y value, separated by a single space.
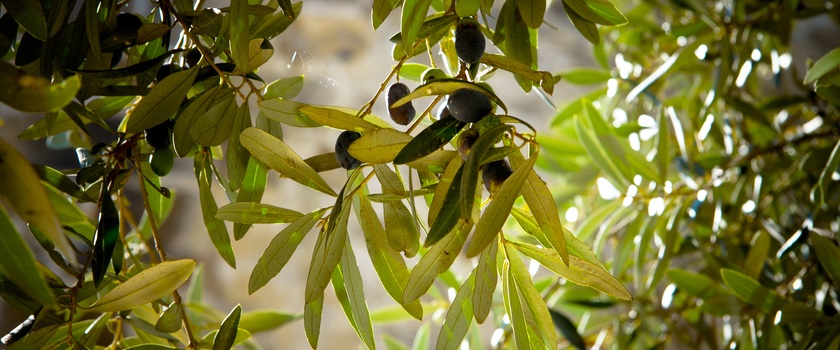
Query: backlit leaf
pixel 430 139
pixel 286 112
pixel 486 278
pixel 312 320
pixel 379 146
pixel 402 230
pixel 598 11
pixel 449 214
pixel 265 320
pixel 347 282
pixel 532 12
pixel 440 256
pixel 586 27
pixel 216 228
pixel 283 88
pixel 824 65
pixel 146 286
pixel 30 93
pixel 447 86
pixel 278 156
pixel 543 326
pixel 224 339
pixel 472 165
pixel 327 254
pixel 170 320
pixel 162 102
pixel 240 34
pixel 751 292
pixel 458 318
pixel 381 10
pixel 216 123
pixel 413 15
pixel 18 264
pixel 337 119
pixel 256 213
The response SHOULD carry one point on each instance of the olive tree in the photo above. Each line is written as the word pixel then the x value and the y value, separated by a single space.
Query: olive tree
pixel 701 194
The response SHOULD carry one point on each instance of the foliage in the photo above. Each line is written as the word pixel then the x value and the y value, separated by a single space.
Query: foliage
pixel 706 191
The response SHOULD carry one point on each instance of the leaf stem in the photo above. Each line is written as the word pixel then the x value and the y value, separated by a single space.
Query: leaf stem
pixel 368 107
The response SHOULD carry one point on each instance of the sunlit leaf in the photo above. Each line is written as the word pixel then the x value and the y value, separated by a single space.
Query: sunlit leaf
pixel 327 254
pixel 224 339
pixel 216 228
pixel 286 112
pixel 161 102
pixel 486 278
pixel 216 123
pixel 440 256
pixel 146 286
pixel 336 119
pixel 283 88
pixel 413 15
pixel 312 320
pixel 823 66
pixel 256 213
pixel 598 11
pixel 347 282
pixel 170 321
pixel 472 165
pixel 430 139
pixel 442 87
pixel 532 12
pixel 18 264
pixel 543 324
pixel 240 34
pixel 458 318
pixel 586 27
pixel 277 155
pixel 265 320
pixel 381 10
pixel 379 146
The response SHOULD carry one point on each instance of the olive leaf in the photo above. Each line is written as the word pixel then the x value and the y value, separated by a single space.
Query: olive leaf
pixel 146 286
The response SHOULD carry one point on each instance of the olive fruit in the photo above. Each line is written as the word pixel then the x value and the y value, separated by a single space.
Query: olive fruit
pixel 341 145
pixel 469 41
pixel 431 74
pixel 158 136
pixel 443 112
pixel 161 161
pixel 192 57
pixel 466 141
pixel 128 22
pixel 494 174
pixel 468 105
pixel 403 114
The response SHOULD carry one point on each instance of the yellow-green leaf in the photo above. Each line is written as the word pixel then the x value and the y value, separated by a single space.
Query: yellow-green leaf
pixel 532 12
pixel 256 213
pixel 18 264
pixel 379 146
pixel 437 260
pixel 240 34
pixel 161 102
pixel 286 112
pixel 278 156
pixel 598 11
pixel 328 251
pixel 458 318
pixel 486 278
pixel 146 286
pixel 216 123
pixel 337 119
pixel 413 15
pixel 751 292
pixel 283 88
pixel 312 320
pixel 827 253
pixel 441 87
pixel 227 334
pixel 543 326
pixel 587 28
pixel 347 283
pixel 30 93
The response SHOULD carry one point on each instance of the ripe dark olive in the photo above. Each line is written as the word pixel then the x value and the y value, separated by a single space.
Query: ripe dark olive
pixel 128 22
pixel 494 174
pixel 158 136
pixel 431 74
pixel 466 141
pixel 162 160
pixel 403 114
pixel 469 41
pixel 468 105
pixel 341 154
pixel 192 57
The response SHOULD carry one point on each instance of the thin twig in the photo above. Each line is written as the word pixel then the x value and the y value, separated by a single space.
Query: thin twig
pixel 426 112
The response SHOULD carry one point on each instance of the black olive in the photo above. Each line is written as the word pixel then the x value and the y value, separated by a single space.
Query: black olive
pixel 158 136
pixel 466 141
pixel 468 105
pixel 469 41
pixel 494 174
pixel 403 114
pixel 341 154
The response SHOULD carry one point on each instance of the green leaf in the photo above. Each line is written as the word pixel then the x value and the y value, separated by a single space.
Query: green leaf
pixel 387 262
pixel 544 325
pixel 442 87
pixel 472 166
pixel 170 320
pixel 586 76
pixel 467 8
pixel 413 71
pixel 818 191
pixel 107 235
pixel 430 139
pixel 312 320
pixel 347 282
pixel 586 27
pixel 18 264
pixel 828 255
pixel 600 155
pixel 401 227
pixel 283 88
pixel 598 11
pixel 446 179
pixel 518 42
pixel 162 102
pixel 30 15
pixel 448 215
pixel 437 260
pixel 696 284
pixel 237 156
pixel 61 182
pixel 486 278
pixel 23 192
pixel 216 228
pixel 207 341
pixel 751 292
pixel 760 246
pixel 240 34
pixel 328 251
pixel 256 213
pixel 516 67
pixel 125 72
pixel 497 211
pixel 380 11
pixel 280 250
pixel 251 190
pixel 224 339
pixel 146 286
pixel 532 12
pixel 286 112
pixel 458 318
pixel 826 64
pixel 379 146
pixel 513 308
pixel 216 123
pixel 541 203
pixel 435 162
pixel 413 15
pixel 181 133
pixel 337 119
pixel 31 93
pixel 265 320
pixel 277 23
pixel 278 156
pixel 579 271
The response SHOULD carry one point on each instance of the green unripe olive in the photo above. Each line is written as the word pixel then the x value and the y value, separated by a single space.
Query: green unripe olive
pixel 469 41
pixel 345 160
pixel 159 136
pixel 162 160
pixel 405 113
pixel 494 175
pixel 431 74
pixel 466 141
pixel 468 105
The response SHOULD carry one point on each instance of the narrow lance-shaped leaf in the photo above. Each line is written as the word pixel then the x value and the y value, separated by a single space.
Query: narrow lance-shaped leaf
pixel 328 250
pixel 215 227
pixel 251 190
pixel 533 300
pixel 227 332
pixel 347 282
pixel 18 264
pixel 751 292
pixel 598 11
pixel 162 101
pixel 30 15
pixel 587 28
pixel 818 191
pixel 280 157
pixel 379 146
pixel 107 235
pixel 441 87
pixel 265 320
pixel 472 165
pixel 430 139
pixel 458 318
pixel 823 66
pixel 541 203
pixel 829 256
pixel 146 286
pixel 449 214
pixel 30 93
pixel 24 193
pixel 413 15
pixel 337 119
pixel 256 213
pixel 437 260
pixel 312 320
pixel 387 262
pixel 486 278
pixel 513 307
pixel 497 211
pixel 240 34
pixel 216 123
pixel 532 12
pixel 170 321
pixel 280 250
pixel 380 11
